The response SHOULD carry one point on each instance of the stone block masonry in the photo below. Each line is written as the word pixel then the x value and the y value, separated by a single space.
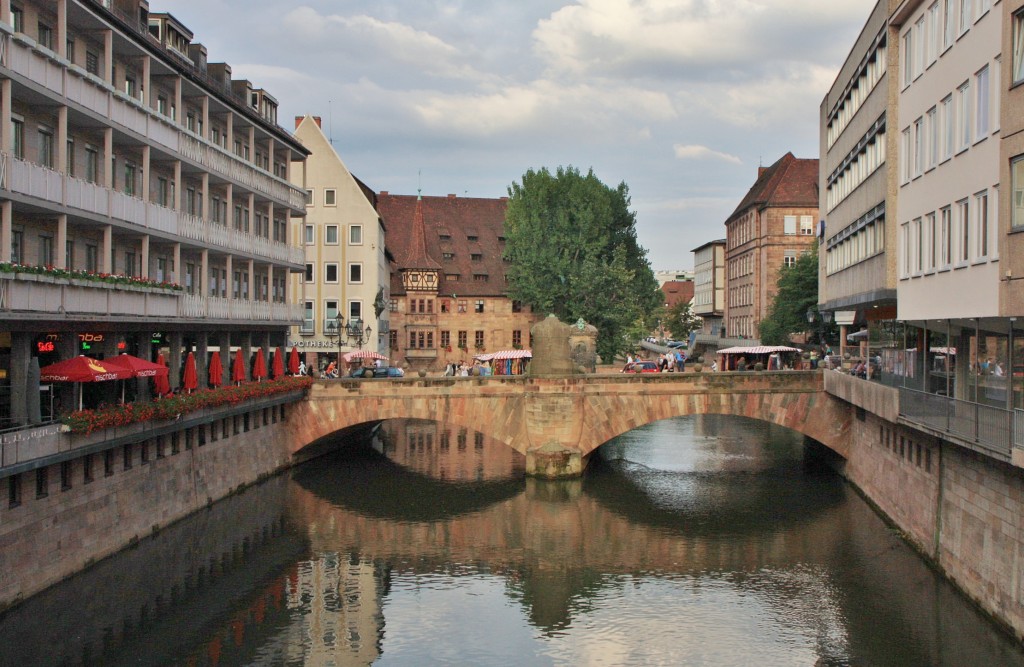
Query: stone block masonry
pixel 57 520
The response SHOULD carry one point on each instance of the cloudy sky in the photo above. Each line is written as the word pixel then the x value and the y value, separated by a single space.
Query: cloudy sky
pixel 681 99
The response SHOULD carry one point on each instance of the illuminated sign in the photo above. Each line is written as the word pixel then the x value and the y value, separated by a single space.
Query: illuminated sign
pixel 48 346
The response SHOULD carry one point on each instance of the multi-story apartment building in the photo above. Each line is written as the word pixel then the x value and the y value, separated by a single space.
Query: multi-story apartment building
pixel 449 298
pixel 346 283
pixel 1008 80
pixel 709 285
pixel 667 276
pixel 856 274
pixel 771 227
pixel 123 151
pixel 950 61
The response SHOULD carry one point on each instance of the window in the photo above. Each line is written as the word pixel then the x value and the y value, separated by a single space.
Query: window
pixel 1017 191
pixel 982 104
pixel 308 325
pixel 806 225
pixel 789 258
pixel 517 338
pixel 355 310
pixel 45 35
pixel 918 147
pixel 963 210
pixel 933 137
pixel 355 273
pixel 934 33
pixel 45 250
pixel 355 235
pixel 331 272
pixel 789 224
pixel 129 179
pixel 478 307
pixel 964 111
pixel 18 138
pixel 46 147
pixel 92 163
pixel 92 253
pixel 42 483
pixel 309 197
pixel 462 339
pixel 161 105
pixel 948 127
pixel 1018 46
pixel 906 160
pixel 69 165
pixel 478 339
pixel 92 63
pixel 981 211
pixel 965 15
pixel 310 235
pixel 162 191
pixel 69 254
pixel 331 235
pixel 17 19
pixel 920 42
pixel 930 241
pixel 330 197
pixel 945 237
pixel 907 52
pixel 918 241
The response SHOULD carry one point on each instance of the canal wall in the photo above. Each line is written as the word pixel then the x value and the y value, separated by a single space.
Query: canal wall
pixel 961 510
pixel 61 518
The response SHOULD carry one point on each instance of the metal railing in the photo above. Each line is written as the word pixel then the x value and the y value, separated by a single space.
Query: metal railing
pixel 988 428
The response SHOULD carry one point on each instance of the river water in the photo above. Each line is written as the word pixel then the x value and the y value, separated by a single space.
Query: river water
pixel 693 541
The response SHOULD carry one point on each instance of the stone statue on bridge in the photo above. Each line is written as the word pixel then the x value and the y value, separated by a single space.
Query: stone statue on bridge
pixel 561 349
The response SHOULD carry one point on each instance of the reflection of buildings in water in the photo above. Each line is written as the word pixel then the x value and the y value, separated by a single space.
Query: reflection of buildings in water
pixel 335 610
pixel 447 453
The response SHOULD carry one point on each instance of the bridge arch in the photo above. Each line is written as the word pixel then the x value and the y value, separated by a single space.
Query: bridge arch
pixel 571 416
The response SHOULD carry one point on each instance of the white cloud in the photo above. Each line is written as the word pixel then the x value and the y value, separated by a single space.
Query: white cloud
pixel 697 152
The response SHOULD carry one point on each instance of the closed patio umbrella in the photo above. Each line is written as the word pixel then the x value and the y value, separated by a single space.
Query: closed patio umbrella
pixel 278 366
pixel 161 382
pixel 216 370
pixel 238 368
pixel 190 379
pixel 259 366
pixel 293 361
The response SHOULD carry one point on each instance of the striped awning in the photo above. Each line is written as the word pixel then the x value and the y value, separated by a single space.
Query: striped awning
pixel 759 349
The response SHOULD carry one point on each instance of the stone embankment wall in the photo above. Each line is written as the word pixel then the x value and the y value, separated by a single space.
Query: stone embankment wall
pixel 962 510
pixel 56 522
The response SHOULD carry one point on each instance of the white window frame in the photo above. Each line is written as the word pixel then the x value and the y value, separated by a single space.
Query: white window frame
pixel 330 197
pixel 983 225
pixel 965 126
pixel 948 128
pixel 309 275
pixel 327 273
pixel 352 230
pixel 983 109
pixel 789 225
pixel 963 244
pixel 327 234
pixel 1018 47
pixel 309 235
pixel 933 138
pixel 945 237
pixel 348 274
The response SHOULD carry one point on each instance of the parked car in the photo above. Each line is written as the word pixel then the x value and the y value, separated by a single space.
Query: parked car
pixel 377 372
pixel 641 367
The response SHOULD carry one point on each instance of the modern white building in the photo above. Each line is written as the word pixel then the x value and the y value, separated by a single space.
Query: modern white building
pixel 709 285
pixel 344 290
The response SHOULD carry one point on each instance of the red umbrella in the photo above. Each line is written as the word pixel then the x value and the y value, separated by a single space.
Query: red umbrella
pixel 161 383
pixel 293 361
pixel 278 369
pixel 216 370
pixel 259 366
pixel 238 371
pixel 83 369
pixel 190 380
pixel 140 368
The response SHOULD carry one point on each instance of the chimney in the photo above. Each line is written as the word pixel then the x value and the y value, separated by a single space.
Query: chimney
pixel 316 119
pixel 383 193
pixel 760 171
pixel 298 121
pixel 451 196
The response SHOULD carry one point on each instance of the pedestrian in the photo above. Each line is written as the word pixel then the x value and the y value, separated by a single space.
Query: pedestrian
pixel 302 368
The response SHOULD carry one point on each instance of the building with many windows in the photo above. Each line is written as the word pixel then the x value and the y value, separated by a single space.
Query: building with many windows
pixel 126 153
pixel 856 274
pixel 345 285
pixel 449 296
pixel 709 285
pixel 773 224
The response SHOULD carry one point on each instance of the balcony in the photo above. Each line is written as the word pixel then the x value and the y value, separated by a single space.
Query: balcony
pixel 47 296
pixel 193 306
pixel 33 180
pixel 24 57
pixel 982 428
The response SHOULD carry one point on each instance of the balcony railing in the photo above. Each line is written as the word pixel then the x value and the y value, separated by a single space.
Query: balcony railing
pixel 36 181
pixel 199 307
pixel 41 294
pixel 984 427
pixel 23 56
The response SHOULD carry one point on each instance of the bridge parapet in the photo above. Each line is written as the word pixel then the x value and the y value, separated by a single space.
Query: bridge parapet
pixel 558 421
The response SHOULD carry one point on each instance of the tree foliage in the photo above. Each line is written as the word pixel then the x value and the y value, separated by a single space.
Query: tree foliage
pixel 796 292
pixel 572 251
pixel 680 320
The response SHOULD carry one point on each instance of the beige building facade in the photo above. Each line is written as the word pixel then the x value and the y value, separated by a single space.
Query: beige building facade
pixel 126 152
pixel 345 284
pixel 709 285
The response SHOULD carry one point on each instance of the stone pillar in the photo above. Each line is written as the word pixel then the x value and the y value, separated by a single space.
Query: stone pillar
pixel 60 251
pixel 147 96
pixel 204 199
pixel 176 112
pixel 144 342
pixel 107 159
pixel 229 268
pixel 146 180
pixel 252 214
pixel 204 274
pixel 229 197
pixel 204 105
pixel 553 461
pixel 106 250
pixel 62 28
pixel 179 187
pixel 21 354
pixel 67 392
pixel 202 345
pixel 251 296
pixel 144 264
pixel 224 343
pixel 5 11
pixel 62 139
pixel 6 229
pixel 7 135
pixel 247 353
pixel 175 342
pixel 229 131
pixel 176 272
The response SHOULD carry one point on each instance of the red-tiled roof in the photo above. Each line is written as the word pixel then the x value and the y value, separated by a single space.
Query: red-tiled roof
pixel 464 236
pixel 675 291
pixel 791 181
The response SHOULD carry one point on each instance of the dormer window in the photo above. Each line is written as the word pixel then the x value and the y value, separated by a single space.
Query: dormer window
pixel 476 257
pixel 472 237
pixel 444 236
pixel 448 255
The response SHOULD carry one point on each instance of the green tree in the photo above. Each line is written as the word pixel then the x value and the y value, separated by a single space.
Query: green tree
pixel 679 320
pixel 796 292
pixel 572 251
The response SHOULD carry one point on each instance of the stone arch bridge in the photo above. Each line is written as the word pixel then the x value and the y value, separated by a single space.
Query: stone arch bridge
pixel 558 421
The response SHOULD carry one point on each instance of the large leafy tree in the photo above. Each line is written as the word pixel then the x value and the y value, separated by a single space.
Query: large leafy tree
pixel 679 320
pixel 572 251
pixel 796 293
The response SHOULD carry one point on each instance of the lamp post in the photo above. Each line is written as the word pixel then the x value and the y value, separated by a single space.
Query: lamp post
pixel 823 318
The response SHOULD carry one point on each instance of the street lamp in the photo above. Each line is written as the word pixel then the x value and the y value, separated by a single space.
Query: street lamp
pixel 351 330
pixel 823 317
